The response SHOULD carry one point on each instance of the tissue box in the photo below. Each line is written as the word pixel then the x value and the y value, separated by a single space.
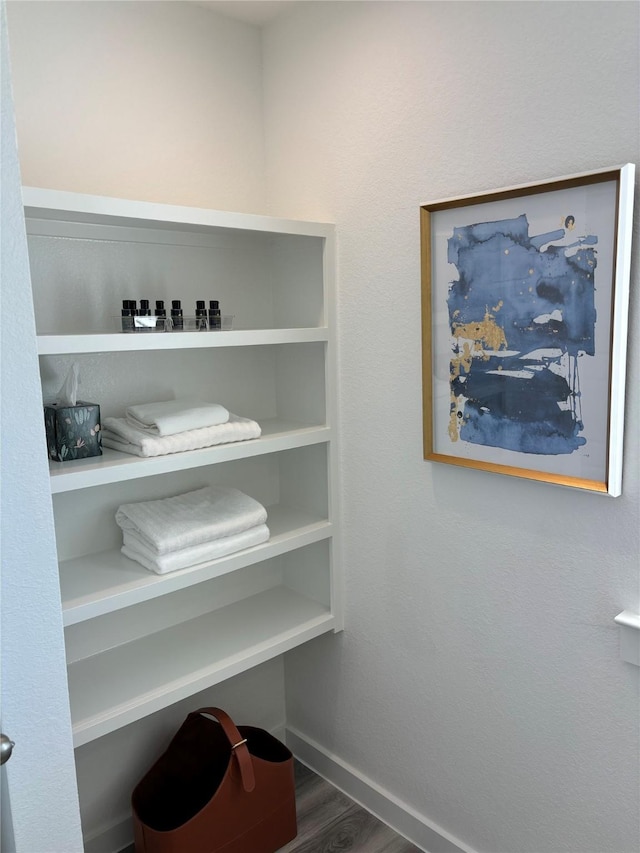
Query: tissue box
pixel 73 432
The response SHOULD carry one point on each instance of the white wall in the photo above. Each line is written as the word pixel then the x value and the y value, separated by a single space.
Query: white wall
pixel 157 101
pixel 39 779
pixel 478 678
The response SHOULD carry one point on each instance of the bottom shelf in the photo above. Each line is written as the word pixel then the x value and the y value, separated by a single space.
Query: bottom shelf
pixel 124 684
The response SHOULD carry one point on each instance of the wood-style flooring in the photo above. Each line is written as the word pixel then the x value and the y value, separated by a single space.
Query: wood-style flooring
pixel 329 822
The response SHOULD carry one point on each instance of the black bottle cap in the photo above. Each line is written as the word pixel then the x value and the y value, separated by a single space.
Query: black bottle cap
pixel 144 303
pixel 175 303
pixel 214 304
pixel 200 304
pixel 159 303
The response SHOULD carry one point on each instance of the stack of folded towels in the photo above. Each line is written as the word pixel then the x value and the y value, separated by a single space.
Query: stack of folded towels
pixel 155 429
pixel 174 533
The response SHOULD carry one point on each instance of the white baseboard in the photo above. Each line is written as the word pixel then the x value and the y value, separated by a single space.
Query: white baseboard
pixel 384 805
pixel 110 839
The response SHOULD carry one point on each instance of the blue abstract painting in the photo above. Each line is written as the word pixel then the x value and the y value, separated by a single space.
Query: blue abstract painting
pixel 522 316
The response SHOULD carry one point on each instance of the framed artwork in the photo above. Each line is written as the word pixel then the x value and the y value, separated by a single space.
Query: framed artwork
pixel 525 295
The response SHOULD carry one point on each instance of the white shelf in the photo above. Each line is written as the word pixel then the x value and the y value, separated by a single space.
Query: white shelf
pixel 115 467
pixel 129 654
pixel 124 684
pixel 629 636
pixel 102 583
pixel 41 203
pixel 144 342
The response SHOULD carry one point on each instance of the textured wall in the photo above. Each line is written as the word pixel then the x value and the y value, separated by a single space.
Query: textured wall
pixel 153 101
pixel 39 780
pixel 478 678
pixel 479 609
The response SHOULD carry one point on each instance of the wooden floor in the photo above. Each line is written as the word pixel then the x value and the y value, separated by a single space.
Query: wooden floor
pixel 329 822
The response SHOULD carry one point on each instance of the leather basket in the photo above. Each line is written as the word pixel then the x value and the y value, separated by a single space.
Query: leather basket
pixel 216 789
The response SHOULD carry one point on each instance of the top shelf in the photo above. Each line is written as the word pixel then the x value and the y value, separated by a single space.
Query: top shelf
pixel 139 342
pixel 42 203
pixel 90 253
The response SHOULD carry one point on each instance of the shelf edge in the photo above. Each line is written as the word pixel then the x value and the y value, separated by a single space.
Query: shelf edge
pixel 629 624
pixel 122 715
pixel 135 468
pixel 158 341
pixel 38 201
pixel 173 581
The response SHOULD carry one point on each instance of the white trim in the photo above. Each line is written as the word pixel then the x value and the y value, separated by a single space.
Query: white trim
pixel 620 324
pixel 112 838
pixel 401 817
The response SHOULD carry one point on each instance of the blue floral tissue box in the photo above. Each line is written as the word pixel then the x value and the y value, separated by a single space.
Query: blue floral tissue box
pixel 73 432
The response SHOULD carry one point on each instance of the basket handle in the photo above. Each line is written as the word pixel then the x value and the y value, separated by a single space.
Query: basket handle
pixel 238 745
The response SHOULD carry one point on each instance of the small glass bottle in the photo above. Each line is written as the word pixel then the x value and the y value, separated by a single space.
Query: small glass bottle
pixel 201 316
pixel 215 318
pixel 144 311
pixel 127 316
pixel 176 315
pixel 161 316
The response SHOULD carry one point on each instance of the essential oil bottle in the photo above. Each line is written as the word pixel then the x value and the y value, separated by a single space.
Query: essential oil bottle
pixel 144 311
pixel 127 316
pixel 161 315
pixel 215 318
pixel 176 314
pixel 201 316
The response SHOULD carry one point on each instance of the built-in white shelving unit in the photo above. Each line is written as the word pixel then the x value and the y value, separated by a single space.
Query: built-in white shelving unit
pixel 136 641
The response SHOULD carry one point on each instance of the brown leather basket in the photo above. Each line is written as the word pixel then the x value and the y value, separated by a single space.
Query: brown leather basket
pixel 216 789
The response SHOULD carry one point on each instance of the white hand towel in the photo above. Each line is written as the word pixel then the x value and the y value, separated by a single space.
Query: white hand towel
pixel 172 416
pixel 195 554
pixel 120 435
pixel 190 519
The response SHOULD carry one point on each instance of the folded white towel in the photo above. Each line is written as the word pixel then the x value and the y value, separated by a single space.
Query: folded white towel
pixel 191 556
pixel 118 434
pixel 172 416
pixel 189 519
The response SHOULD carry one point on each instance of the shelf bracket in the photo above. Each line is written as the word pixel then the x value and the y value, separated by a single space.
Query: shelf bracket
pixel 629 636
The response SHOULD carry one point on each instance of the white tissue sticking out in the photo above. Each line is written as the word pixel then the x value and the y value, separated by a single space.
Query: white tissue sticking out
pixel 68 394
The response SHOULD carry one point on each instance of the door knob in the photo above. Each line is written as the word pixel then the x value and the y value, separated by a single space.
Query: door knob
pixel 6 748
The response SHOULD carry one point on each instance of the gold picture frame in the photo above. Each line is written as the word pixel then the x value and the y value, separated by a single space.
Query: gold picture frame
pixel 525 294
